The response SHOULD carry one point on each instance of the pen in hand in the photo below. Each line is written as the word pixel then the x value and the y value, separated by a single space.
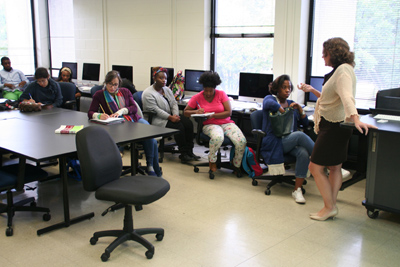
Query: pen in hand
pixel 31 100
pixel 199 110
pixel 103 111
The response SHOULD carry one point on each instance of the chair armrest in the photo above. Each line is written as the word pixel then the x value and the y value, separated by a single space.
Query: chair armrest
pixel 71 104
pixel 259 135
pixel 149 115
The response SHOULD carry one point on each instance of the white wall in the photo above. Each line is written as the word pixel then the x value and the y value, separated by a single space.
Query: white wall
pixel 142 34
pixel 175 33
pixel 290 42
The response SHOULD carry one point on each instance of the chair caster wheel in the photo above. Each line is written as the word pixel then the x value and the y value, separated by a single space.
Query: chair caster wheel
pixel 268 192
pixel 239 175
pixel 9 231
pixel 159 237
pixel 105 256
pixel 196 169
pixel 373 214
pixel 211 175
pixel 305 182
pixel 254 183
pixel 149 254
pixel 46 217
pixel 93 240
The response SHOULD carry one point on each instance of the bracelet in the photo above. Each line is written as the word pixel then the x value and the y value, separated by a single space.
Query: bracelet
pixel 99 116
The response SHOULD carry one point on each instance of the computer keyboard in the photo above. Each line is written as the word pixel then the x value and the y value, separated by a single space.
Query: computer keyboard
pixel 236 105
pixel 85 88
pixel 387 117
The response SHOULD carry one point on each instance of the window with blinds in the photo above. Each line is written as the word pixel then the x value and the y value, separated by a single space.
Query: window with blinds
pixel 372 29
pixel 16 34
pixel 243 39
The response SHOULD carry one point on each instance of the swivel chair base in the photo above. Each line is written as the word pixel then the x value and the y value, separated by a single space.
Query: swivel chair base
pixel 12 207
pixel 275 179
pixel 128 233
pixel 220 164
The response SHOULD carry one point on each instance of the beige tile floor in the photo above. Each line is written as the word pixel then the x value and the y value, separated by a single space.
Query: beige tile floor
pixel 220 222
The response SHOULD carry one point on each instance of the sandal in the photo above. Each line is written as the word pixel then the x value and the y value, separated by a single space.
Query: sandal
pixel 213 166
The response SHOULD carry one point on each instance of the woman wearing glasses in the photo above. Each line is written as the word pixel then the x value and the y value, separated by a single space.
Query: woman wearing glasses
pixel 114 101
pixel 159 99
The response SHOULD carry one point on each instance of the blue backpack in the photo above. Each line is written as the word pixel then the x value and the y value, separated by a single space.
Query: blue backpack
pixel 249 162
pixel 75 165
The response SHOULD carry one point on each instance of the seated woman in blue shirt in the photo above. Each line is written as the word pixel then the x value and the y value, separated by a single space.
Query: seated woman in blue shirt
pixel 43 90
pixel 296 144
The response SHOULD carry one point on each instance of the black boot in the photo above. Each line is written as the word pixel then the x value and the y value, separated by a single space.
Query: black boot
pixel 193 156
pixel 185 157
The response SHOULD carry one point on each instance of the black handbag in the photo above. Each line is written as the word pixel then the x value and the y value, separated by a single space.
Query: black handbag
pixel 282 123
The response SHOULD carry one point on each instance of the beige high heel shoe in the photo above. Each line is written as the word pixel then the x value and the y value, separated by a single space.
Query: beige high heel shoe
pixel 331 214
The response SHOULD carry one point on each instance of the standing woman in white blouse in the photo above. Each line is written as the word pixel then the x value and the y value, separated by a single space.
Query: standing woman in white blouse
pixel 335 104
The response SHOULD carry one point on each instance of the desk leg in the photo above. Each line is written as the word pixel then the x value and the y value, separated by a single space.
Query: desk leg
pixel 67 221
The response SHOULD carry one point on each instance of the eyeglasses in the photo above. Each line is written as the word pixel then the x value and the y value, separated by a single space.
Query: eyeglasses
pixel 113 84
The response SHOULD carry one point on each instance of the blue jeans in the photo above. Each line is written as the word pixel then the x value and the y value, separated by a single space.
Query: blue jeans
pixel 300 146
pixel 151 151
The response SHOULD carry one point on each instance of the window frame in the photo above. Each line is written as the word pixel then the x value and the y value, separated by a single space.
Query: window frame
pixel 34 38
pixel 214 36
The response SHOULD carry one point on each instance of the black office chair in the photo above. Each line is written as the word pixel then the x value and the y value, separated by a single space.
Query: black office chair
pixel 256 122
pixel 163 147
pixel 203 140
pixel 101 169
pixel 95 89
pixel 9 182
pixel 68 92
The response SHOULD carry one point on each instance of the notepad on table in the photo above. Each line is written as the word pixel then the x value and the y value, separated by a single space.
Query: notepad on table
pixel 108 121
pixel 203 115
pixel 69 129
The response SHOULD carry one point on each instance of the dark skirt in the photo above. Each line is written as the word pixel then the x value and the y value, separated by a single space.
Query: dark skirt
pixel 332 142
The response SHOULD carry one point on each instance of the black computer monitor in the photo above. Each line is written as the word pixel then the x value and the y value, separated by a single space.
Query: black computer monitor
pixel 125 71
pixel 315 82
pixel 73 66
pixel 91 72
pixel 253 87
pixel 192 80
pixel 170 75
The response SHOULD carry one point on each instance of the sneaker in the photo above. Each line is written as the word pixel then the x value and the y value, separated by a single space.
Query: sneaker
pixel 298 196
pixel 151 173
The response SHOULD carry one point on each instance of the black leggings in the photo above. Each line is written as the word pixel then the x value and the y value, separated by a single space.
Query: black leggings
pixel 184 139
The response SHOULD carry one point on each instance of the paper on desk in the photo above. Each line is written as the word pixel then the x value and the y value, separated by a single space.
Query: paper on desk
pixel 108 121
pixel 203 115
